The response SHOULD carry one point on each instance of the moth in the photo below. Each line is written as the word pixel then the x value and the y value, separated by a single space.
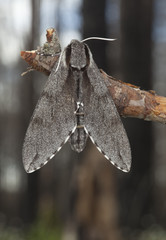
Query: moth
pixel 74 105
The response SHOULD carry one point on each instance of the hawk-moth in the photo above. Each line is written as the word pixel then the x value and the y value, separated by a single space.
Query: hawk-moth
pixel 75 104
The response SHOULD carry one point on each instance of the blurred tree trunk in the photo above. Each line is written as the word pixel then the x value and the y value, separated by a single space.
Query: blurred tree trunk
pixel 96 210
pixel 159 70
pixel 95 202
pixel 31 196
pixel 135 192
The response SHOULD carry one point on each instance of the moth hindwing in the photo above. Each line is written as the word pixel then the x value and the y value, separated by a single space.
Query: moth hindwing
pixel 75 103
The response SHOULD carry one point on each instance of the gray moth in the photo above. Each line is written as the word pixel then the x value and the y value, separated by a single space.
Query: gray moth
pixel 75 104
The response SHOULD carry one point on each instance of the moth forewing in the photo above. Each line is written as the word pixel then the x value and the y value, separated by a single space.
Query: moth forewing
pixel 53 120
pixel 102 121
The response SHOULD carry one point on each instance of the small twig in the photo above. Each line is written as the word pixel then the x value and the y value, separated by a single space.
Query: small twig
pixel 129 99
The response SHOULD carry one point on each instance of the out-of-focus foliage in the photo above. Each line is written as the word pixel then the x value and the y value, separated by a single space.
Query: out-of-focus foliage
pixel 47 226
pixel 43 231
pixel 11 234
pixel 40 230
pixel 156 233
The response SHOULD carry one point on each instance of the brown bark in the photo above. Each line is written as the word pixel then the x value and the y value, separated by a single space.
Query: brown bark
pixel 131 101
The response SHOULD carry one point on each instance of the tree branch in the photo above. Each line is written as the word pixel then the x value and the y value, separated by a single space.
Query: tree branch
pixel 130 100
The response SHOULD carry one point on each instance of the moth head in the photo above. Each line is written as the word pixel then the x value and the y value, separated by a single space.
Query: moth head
pixel 77 55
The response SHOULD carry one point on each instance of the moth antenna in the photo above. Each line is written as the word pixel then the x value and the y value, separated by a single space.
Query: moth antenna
pixel 98 38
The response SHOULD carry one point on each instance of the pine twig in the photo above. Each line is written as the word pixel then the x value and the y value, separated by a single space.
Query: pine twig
pixel 130 100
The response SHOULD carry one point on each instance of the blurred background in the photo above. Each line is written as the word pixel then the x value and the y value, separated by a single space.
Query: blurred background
pixel 82 196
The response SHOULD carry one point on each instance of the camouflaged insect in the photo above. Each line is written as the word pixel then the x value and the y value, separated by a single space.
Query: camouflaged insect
pixel 75 104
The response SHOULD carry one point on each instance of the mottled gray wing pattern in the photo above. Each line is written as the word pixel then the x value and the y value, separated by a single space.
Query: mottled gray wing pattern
pixel 102 121
pixel 52 122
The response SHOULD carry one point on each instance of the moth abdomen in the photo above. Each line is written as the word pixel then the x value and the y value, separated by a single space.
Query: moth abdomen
pixel 78 139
